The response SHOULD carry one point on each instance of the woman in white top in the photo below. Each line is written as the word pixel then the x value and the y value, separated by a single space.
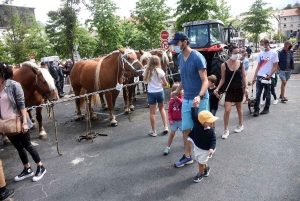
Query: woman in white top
pixel 154 76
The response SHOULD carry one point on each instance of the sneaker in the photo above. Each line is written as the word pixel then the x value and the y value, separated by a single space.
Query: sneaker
pixel 284 99
pixel 152 133
pixel 166 151
pixel 225 134
pixel 27 172
pixel 239 128
pixel 256 113
pixel 275 102
pixel 198 178
pixel 206 171
pixel 263 102
pixel 166 129
pixel 265 112
pixel 39 173
pixel 8 193
pixel 184 161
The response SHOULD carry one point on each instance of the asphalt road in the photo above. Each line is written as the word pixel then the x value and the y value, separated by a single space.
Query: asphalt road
pixel 261 163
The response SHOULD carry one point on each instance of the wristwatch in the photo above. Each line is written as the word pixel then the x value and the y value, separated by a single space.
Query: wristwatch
pixel 201 96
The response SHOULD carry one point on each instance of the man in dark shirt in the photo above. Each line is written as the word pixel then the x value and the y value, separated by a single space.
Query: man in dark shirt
pixel 53 70
pixel 249 51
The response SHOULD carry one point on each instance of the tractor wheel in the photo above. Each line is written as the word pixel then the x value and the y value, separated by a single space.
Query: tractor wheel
pixel 215 68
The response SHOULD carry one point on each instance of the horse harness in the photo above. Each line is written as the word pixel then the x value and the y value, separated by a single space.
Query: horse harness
pixel 38 86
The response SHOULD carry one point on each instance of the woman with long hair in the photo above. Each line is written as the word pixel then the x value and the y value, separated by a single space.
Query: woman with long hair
pixel 233 75
pixel 154 76
pixel 12 103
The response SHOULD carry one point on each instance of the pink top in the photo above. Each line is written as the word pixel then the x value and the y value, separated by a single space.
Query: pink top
pixel 174 112
pixel 6 109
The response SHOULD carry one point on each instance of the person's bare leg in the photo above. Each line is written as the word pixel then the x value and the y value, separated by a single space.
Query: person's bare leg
pixel 162 113
pixel 238 106
pixel 187 144
pixel 227 114
pixel 170 139
pixel 152 116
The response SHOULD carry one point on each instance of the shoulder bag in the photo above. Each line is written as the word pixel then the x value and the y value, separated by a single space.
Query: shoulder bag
pixel 223 95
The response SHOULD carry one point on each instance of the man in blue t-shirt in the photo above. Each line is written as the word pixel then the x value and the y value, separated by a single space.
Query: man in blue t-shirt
pixel 194 82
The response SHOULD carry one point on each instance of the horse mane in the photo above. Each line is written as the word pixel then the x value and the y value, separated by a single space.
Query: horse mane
pixel 47 76
pixel 165 58
pixel 144 56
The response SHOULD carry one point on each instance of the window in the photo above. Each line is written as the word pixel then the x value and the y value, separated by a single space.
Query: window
pixel 284 25
pixel 284 18
pixel 291 25
pixel 298 25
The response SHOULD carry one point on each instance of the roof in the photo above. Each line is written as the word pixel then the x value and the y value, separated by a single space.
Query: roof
pixel 290 12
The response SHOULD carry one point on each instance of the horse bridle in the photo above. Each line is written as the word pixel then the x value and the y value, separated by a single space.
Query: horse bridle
pixel 124 60
pixel 37 85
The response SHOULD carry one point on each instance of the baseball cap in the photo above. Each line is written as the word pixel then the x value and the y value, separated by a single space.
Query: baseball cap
pixel 177 37
pixel 206 116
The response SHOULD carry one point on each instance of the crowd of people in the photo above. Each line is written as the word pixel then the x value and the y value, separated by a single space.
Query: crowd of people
pixel 192 108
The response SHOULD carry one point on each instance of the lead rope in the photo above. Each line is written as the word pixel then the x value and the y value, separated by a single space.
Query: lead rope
pixel 55 126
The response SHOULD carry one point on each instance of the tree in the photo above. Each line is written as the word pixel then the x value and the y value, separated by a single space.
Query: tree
pixel 276 37
pixel 18 22
pixel 257 20
pixel 132 36
pixel 289 6
pixel 150 16
pixel 190 10
pixel 62 27
pixel 106 24
pixel 87 43
pixel 223 12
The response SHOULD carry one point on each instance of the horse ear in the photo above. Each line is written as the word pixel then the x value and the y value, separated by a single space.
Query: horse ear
pixel 122 51
pixel 141 52
pixel 34 70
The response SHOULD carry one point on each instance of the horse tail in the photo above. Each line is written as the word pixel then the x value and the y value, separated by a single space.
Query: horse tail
pixel 94 100
pixel 97 75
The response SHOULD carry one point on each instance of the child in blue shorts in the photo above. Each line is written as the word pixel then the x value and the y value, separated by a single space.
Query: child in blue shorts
pixel 174 116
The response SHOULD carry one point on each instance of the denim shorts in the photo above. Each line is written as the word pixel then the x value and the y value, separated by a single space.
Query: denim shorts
pixel 285 75
pixel 176 125
pixel 155 97
pixel 187 121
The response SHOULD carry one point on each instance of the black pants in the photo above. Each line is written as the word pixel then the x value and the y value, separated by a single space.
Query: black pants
pixel 272 92
pixel 58 86
pixel 22 142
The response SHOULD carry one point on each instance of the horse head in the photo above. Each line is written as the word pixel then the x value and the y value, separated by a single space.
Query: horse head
pixel 44 82
pixel 130 61
pixel 165 57
pixel 144 57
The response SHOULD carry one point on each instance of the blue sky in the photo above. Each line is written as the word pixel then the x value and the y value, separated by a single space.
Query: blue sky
pixel 44 6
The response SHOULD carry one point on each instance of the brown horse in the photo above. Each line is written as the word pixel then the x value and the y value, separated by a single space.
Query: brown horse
pixel 36 83
pixel 105 74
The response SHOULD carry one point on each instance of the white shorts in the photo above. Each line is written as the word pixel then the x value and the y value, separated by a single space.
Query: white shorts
pixel 201 155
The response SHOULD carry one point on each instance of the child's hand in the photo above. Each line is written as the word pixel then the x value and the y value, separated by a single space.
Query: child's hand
pixel 210 152
pixel 171 122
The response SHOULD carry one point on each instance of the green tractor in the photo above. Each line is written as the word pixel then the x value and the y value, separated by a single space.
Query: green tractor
pixel 210 38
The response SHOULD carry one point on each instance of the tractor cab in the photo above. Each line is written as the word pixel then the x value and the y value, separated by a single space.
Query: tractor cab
pixel 205 35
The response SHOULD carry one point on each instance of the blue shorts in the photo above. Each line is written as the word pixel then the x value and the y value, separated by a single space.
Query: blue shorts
pixel 155 97
pixel 187 121
pixel 176 125
pixel 285 75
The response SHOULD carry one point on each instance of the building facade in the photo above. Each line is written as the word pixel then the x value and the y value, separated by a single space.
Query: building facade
pixel 290 22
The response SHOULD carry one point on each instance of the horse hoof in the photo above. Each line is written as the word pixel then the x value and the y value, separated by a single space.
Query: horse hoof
pixel 6 141
pixel 42 135
pixel 132 108
pixel 34 125
pixel 79 119
pixel 94 117
pixel 113 124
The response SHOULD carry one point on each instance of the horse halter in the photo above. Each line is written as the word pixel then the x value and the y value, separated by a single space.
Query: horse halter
pixel 37 85
pixel 124 60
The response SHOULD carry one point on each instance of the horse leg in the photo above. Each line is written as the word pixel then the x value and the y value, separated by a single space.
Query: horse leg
pixel 31 118
pixel 102 101
pixel 138 89
pixel 39 118
pixel 131 91
pixel 108 96
pixel 93 116
pixel 125 97
pixel 77 101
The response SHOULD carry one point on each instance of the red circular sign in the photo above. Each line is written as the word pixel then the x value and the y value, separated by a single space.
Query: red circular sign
pixel 164 44
pixel 164 34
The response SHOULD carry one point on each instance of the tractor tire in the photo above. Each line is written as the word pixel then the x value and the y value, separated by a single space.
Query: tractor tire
pixel 215 68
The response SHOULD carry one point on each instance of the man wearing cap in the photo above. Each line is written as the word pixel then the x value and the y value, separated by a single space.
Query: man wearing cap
pixel 194 82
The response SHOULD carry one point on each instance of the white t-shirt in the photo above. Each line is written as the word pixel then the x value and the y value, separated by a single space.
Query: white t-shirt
pixel 266 61
pixel 155 83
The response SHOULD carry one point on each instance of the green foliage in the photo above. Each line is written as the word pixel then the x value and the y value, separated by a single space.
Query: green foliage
pixel 276 37
pixel 62 27
pixel 293 40
pixel 223 12
pixel 190 10
pixel 132 36
pixel 150 16
pixel 289 6
pixel 257 20
pixel 87 43
pixel 106 24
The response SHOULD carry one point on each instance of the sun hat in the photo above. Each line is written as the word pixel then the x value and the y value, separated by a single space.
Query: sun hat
pixel 206 116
